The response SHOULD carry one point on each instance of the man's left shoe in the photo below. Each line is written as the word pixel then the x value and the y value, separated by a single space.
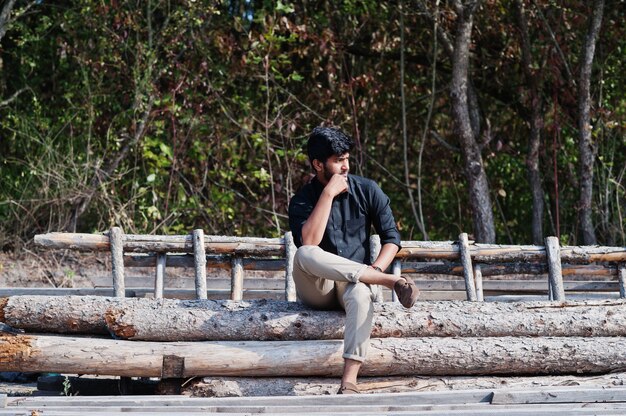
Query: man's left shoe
pixel 348 388
pixel 407 291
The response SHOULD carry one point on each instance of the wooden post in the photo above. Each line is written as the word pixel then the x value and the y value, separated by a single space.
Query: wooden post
pixel 478 277
pixel 396 267
pixel 159 278
pixel 553 254
pixel 621 276
pixel 236 278
pixel 550 293
pixel 200 263
pixel 290 252
pixel 468 272
pixel 116 240
pixel 374 252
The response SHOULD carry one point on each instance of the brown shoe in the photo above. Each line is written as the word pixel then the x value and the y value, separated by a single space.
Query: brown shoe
pixel 348 388
pixel 407 291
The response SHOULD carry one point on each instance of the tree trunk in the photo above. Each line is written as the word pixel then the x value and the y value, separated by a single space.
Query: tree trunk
pixel 535 107
pixel 5 17
pixel 586 144
pixel 480 200
pixel 176 320
pixel 387 356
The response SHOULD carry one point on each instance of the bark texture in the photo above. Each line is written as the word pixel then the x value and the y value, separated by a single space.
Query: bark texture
pixel 587 146
pixel 387 356
pixel 535 106
pixel 480 200
pixel 249 246
pixel 164 243
pixel 176 320
pixel 5 16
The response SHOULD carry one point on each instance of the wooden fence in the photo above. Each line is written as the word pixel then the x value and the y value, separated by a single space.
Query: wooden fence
pixel 471 260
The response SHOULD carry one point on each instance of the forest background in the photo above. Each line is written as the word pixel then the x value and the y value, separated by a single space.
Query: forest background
pixel 504 119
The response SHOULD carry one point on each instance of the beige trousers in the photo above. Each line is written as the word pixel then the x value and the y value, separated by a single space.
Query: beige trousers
pixel 327 281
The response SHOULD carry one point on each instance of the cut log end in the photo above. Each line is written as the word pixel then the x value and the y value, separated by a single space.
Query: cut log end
pixel 118 330
pixel 3 304
pixel 13 348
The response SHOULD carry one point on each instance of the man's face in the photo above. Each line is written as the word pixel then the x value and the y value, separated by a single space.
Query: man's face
pixel 335 164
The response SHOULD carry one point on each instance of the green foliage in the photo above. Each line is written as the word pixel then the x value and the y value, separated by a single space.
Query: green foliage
pixel 169 116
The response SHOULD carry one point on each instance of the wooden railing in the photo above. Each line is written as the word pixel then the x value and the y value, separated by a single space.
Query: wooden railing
pixel 471 260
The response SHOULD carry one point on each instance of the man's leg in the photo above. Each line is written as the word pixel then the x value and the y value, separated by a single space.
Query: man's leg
pixel 358 301
pixel 313 289
pixel 313 261
pixel 320 276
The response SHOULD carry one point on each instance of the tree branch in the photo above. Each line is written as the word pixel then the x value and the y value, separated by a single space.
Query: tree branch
pixel 12 98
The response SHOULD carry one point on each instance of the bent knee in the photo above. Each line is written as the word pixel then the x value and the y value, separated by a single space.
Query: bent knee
pixel 359 293
pixel 305 253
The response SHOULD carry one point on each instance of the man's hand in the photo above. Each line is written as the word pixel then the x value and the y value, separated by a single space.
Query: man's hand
pixel 337 184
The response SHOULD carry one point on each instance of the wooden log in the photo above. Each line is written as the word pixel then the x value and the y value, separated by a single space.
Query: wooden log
pixel 493 253
pixel 446 268
pixel 159 278
pixel 396 268
pixel 250 246
pixel 213 262
pixel 164 243
pixel 290 252
pixel 387 356
pixel 60 314
pixel 273 321
pixel 503 269
pixel 622 280
pixel 116 237
pixel 236 285
pixel 172 320
pixel 478 278
pixel 554 267
pixel 199 263
pixel 147 292
pixel 468 271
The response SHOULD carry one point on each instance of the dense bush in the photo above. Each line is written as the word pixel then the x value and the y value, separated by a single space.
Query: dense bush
pixel 164 116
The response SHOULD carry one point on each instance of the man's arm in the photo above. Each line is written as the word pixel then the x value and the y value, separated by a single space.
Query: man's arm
pixel 314 227
pixel 385 226
pixel 386 256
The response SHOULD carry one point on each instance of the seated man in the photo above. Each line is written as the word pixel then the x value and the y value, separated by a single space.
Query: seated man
pixel 330 219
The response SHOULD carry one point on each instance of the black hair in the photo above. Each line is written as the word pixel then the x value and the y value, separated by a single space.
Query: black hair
pixel 325 142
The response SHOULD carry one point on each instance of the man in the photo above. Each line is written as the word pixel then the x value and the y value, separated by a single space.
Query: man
pixel 330 219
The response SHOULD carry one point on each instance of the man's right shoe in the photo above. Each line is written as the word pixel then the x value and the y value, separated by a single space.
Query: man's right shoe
pixel 406 291
pixel 348 388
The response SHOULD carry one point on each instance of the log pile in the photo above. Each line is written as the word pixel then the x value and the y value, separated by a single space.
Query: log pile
pixel 175 338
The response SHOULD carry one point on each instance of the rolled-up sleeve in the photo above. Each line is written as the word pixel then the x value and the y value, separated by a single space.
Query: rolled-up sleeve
pixel 382 217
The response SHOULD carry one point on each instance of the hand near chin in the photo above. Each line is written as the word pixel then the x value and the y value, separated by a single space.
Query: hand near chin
pixel 337 184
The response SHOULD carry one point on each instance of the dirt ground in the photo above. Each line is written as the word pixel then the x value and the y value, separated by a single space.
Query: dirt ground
pixel 62 268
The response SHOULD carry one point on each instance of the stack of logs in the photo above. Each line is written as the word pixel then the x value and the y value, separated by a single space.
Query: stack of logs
pixel 173 339
pixel 166 338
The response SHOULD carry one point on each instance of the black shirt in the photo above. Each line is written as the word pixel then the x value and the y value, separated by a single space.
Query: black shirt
pixel 351 218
